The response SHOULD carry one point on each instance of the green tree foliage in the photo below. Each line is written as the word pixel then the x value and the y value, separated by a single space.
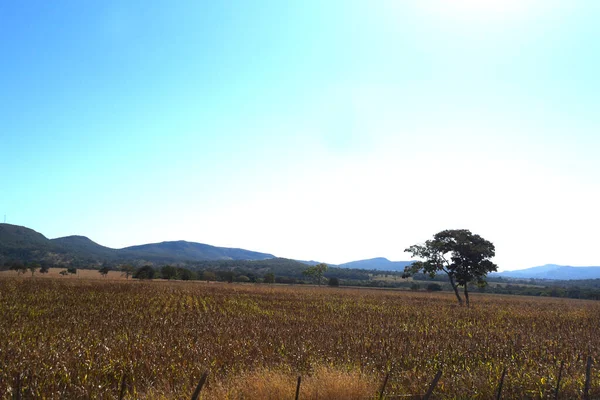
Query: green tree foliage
pixel 462 255
pixel 334 282
pixel 33 267
pixel 44 269
pixel 316 272
pixel 185 274
pixel 72 270
pixel 269 278
pixel 127 270
pixel 104 270
pixel 19 267
pixel 145 272
pixel 209 276
pixel 226 276
pixel 434 287
pixel 168 272
pixel 286 280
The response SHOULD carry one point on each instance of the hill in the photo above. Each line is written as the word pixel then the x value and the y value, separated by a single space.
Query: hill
pixel 18 243
pixel 83 247
pixel 552 271
pixel 379 263
pixel 190 251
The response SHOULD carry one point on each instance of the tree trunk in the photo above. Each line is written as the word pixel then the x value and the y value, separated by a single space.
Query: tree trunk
pixel 467 294
pixel 460 302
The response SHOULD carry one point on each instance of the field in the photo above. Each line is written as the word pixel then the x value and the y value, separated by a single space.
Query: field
pixel 86 274
pixel 63 337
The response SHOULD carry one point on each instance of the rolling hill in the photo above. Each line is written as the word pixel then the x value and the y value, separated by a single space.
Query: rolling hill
pixel 18 243
pixel 553 271
pixel 185 251
pixel 379 264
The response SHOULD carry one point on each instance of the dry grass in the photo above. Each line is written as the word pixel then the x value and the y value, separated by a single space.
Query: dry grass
pixel 267 384
pixel 74 338
pixel 323 383
pixel 86 274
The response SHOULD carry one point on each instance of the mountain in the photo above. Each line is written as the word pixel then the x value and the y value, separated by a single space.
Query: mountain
pixel 84 247
pixel 312 263
pixel 379 263
pixel 24 244
pixel 183 251
pixel 552 271
pixel 20 237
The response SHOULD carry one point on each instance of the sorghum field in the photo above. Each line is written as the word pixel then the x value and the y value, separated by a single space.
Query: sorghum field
pixel 76 338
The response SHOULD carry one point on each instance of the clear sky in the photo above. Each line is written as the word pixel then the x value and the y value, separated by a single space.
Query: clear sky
pixel 326 130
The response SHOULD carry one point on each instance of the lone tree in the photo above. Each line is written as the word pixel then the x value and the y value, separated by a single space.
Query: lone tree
pixel 316 272
pixel 269 278
pixel 462 255
pixel 127 270
pixel 33 267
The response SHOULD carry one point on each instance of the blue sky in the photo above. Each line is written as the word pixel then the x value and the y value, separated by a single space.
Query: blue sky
pixel 334 130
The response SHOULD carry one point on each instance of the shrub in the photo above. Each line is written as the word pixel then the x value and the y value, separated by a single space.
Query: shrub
pixel 434 287
pixel 145 272
pixel 209 276
pixel 269 278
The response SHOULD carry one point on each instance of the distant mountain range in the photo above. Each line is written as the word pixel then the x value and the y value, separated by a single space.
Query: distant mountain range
pixel 24 244
pixel 553 271
pixel 18 243
pixel 378 264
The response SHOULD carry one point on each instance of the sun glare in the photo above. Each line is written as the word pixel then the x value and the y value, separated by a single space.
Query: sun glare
pixel 480 10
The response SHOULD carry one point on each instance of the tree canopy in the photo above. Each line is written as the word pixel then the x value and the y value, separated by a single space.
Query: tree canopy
pixel 462 255
pixel 316 272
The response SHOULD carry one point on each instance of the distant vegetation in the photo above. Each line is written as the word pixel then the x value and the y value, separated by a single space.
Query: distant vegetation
pixel 28 252
pixel 22 244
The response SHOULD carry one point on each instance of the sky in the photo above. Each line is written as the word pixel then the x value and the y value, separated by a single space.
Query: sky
pixel 323 130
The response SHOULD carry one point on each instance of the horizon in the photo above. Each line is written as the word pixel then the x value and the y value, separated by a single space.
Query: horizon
pixel 337 132
pixel 309 259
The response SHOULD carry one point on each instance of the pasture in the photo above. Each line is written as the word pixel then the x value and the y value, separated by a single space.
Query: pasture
pixel 69 337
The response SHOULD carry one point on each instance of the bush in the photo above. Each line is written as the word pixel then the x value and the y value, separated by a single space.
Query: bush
pixel 226 276
pixel 434 287
pixel 334 282
pixel 168 272
pixel 145 272
pixel 185 274
pixel 269 278
pixel 209 276
pixel 284 279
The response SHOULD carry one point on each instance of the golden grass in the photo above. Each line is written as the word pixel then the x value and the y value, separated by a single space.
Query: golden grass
pixel 267 384
pixel 86 274
pixel 323 383
pixel 74 338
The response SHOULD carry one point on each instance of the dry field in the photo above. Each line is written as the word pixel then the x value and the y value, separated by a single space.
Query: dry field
pixel 75 338
pixel 55 273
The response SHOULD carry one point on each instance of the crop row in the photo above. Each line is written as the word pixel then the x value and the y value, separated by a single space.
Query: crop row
pixel 76 338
